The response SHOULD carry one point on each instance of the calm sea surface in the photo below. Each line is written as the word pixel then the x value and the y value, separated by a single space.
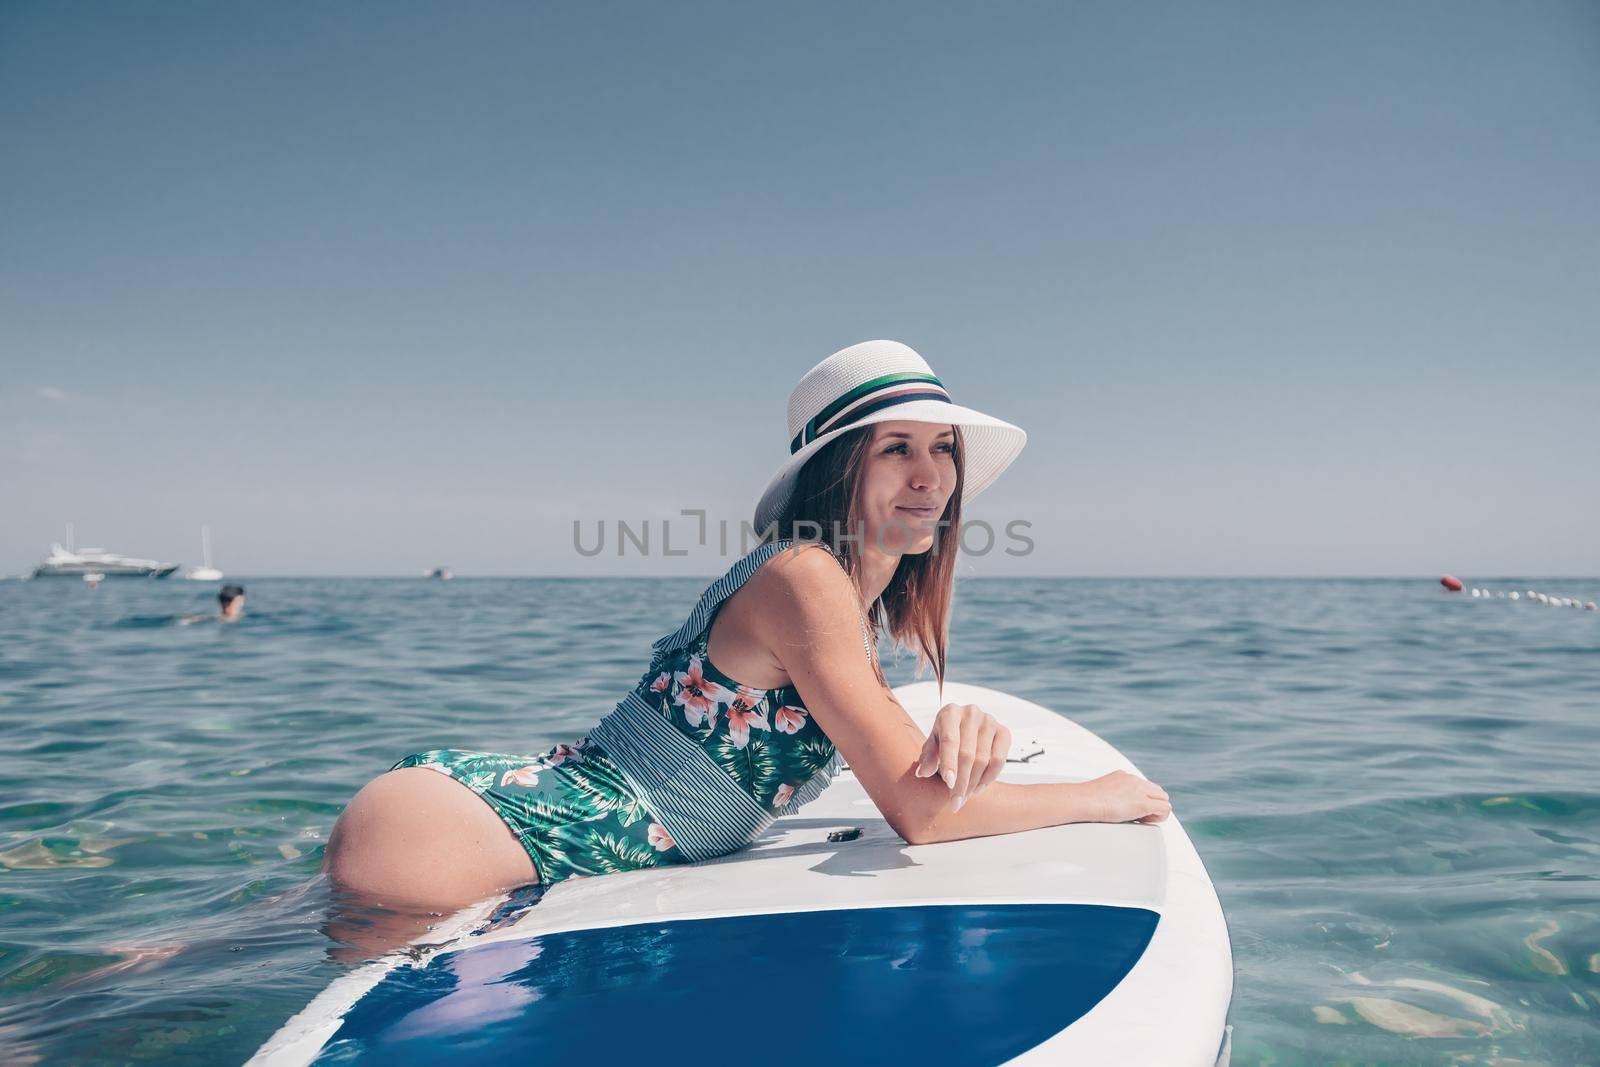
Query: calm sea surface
pixel 1395 789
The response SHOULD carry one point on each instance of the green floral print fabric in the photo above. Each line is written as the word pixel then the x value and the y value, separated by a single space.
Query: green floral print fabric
pixel 570 807
pixel 764 738
pixel 576 812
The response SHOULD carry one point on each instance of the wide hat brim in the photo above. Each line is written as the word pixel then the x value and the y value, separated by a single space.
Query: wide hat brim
pixel 991 445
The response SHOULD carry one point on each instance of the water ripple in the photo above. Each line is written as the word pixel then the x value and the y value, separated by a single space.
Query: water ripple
pixel 1392 788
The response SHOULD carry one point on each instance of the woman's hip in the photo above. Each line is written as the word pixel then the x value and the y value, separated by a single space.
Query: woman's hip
pixel 570 807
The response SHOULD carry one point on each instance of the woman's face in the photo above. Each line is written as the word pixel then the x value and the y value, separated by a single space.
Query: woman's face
pixel 906 480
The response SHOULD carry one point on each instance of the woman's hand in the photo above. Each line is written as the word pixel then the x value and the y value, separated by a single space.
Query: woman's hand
pixel 1123 797
pixel 967 747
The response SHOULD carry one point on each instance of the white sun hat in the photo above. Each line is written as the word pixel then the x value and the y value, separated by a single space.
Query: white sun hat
pixel 883 381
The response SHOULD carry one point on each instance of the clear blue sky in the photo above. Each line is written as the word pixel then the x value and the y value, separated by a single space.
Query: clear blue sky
pixel 1274 288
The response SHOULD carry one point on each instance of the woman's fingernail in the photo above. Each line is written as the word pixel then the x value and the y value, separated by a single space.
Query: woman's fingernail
pixel 957 805
pixel 949 777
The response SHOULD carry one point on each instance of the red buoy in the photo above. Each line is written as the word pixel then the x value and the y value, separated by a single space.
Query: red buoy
pixel 1451 582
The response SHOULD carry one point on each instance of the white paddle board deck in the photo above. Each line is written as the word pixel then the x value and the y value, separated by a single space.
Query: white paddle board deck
pixel 1085 943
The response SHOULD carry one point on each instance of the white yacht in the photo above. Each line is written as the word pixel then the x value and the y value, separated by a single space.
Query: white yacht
pixel 75 563
pixel 63 563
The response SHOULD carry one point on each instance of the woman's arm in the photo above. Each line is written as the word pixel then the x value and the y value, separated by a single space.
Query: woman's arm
pixel 808 617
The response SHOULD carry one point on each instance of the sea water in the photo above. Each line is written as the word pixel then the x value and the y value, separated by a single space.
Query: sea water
pixel 1393 787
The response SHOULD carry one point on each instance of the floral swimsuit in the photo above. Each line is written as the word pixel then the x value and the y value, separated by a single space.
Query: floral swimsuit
pixel 574 810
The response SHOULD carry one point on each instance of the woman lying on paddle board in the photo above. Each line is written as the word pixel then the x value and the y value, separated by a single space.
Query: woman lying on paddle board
pixel 745 711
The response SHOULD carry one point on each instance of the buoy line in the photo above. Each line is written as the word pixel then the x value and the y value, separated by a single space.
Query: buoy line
pixel 1455 585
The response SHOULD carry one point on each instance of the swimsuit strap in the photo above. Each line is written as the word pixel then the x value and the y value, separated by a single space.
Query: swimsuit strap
pixel 725 587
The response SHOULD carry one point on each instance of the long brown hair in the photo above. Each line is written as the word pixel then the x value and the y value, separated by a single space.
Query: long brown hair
pixel 914 609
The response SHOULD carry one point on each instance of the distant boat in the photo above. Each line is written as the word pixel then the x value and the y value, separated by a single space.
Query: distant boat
pixel 64 563
pixel 441 573
pixel 76 563
pixel 205 572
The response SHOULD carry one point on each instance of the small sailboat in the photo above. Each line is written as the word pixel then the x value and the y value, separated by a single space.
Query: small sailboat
pixel 205 572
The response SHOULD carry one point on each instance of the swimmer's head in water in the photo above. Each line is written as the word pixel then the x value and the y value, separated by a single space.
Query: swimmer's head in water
pixel 231 598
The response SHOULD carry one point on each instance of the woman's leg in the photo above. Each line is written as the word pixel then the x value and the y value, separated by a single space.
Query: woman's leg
pixel 417 838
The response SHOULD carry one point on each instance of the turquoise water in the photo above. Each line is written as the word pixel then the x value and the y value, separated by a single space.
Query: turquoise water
pixel 1393 788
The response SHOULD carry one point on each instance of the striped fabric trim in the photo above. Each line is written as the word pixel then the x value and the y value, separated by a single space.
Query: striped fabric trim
pixel 886 390
pixel 705 810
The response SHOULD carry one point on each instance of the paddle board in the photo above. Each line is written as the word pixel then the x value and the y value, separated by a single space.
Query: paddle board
pixel 828 939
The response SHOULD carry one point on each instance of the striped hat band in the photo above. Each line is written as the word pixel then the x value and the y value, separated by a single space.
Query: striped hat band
pixel 881 392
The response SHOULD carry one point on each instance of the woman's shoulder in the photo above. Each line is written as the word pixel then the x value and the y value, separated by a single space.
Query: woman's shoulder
pixel 791 589
pixel 798 591
pixel 801 565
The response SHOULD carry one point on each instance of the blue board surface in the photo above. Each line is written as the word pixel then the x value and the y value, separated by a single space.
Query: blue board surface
pixel 947 984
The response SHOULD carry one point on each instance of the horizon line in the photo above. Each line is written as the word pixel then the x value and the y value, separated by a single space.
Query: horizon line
pixel 120 580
